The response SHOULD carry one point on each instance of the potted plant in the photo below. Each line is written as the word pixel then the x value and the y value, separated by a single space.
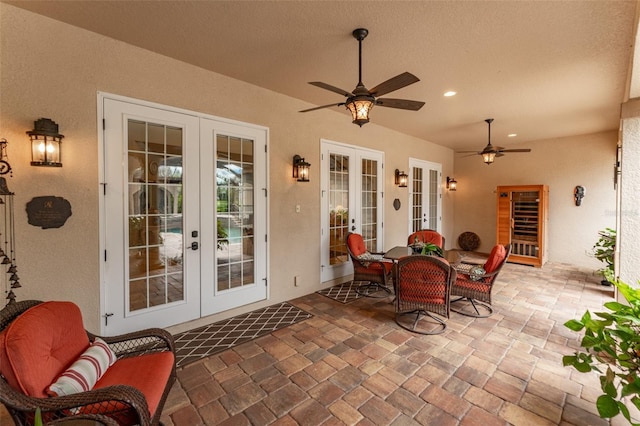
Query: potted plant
pixel 604 250
pixel 611 347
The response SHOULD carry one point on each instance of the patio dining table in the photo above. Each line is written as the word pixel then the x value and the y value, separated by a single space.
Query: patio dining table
pixel 398 252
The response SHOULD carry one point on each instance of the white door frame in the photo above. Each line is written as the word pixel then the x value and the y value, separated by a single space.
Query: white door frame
pixel 428 186
pixel 356 154
pixel 101 97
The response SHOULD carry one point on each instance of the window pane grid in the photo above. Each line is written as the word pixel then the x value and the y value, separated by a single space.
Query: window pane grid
pixel 235 198
pixel 154 225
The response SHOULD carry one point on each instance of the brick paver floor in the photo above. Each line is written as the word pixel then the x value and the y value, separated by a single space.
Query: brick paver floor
pixel 351 364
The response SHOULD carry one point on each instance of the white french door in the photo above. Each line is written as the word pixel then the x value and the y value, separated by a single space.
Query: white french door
pixel 425 195
pixel 184 231
pixel 233 215
pixel 352 189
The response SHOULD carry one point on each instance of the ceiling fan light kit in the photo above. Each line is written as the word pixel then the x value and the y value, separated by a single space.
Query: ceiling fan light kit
pixel 490 152
pixel 361 100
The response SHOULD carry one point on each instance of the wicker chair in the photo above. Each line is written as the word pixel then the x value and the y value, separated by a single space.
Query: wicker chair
pixel 114 404
pixel 474 289
pixel 423 287
pixel 426 236
pixel 368 267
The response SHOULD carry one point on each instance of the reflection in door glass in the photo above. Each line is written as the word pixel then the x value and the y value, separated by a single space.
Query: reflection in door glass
pixel 155 229
pixel 234 207
pixel 416 214
pixel 369 205
pixel 338 208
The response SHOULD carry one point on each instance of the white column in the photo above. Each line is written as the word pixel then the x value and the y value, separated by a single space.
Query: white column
pixel 628 241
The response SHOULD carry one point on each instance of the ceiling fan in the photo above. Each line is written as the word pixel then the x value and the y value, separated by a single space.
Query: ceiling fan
pixel 490 152
pixel 361 100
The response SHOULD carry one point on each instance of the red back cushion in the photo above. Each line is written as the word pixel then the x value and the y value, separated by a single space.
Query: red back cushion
pixel 40 344
pixel 426 236
pixel 356 244
pixel 496 257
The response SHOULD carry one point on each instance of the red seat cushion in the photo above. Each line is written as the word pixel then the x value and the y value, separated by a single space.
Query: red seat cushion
pixel 42 343
pixel 496 257
pixel 147 373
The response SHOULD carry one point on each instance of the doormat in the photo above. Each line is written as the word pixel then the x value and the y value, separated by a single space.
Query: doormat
pixel 343 293
pixel 201 342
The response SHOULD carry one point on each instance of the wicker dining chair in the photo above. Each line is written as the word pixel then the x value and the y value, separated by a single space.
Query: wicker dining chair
pixel 368 267
pixel 473 287
pixel 423 288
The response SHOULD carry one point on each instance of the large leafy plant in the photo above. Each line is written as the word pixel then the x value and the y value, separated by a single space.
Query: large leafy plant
pixel 611 347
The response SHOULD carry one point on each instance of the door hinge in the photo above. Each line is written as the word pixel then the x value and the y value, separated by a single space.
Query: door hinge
pixel 265 238
pixel 265 148
pixel 265 282
pixel 104 124
pixel 265 191
pixel 104 188
pixel 105 255
pixel 106 318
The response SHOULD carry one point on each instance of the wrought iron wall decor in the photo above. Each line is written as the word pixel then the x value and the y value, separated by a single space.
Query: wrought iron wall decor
pixel 9 279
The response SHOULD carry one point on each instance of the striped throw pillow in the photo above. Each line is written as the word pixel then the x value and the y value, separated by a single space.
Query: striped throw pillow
pixel 85 371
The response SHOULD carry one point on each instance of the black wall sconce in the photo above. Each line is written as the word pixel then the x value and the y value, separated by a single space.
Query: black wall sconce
pixel 452 184
pixel 45 143
pixel 300 169
pixel 401 179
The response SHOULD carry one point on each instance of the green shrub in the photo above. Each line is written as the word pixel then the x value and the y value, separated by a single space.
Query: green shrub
pixel 611 346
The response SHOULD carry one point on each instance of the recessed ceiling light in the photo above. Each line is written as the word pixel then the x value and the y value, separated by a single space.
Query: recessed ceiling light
pixel 450 93
pixel 512 135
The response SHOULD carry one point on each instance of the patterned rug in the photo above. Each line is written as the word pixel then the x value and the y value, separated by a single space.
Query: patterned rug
pixel 348 292
pixel 343 293
pixel 201 342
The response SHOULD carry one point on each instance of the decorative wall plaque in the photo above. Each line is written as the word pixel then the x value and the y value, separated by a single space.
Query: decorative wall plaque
pixel 48 211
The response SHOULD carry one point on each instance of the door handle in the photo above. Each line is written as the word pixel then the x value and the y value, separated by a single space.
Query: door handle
pixel 194 246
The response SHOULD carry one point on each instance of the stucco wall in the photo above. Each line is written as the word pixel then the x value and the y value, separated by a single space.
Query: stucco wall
pixel 629 207
pixel 561 164
pixel 50 69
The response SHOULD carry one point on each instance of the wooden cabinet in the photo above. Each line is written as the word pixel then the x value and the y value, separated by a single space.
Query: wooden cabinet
pixel 522 222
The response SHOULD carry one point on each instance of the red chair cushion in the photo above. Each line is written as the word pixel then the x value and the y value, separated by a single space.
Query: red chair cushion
pixel 42 343
pixel 426 236
pixel 496 257
pixel 356 244
pixel 147 373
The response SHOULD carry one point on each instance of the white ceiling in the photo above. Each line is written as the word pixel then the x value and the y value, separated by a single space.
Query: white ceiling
pixel 541 69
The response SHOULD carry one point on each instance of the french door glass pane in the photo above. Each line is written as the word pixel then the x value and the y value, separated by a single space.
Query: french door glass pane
pixel 416 218
pixel 433 198
pixel 338 208
pixel 234 212
pixel 154 223
pixel 369 205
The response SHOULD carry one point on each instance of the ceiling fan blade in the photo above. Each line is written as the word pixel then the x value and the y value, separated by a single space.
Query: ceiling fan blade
pixel 320 107
pixel 516 150
pixel 395 83
pixel 499 154
pixel 400 103
pixel 331 88
pixel 468 152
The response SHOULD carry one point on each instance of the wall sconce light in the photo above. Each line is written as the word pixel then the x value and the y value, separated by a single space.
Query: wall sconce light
pixel 300 169
pixel 578 194
pixel 452 184
pixel 401 179
pixel 45 143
